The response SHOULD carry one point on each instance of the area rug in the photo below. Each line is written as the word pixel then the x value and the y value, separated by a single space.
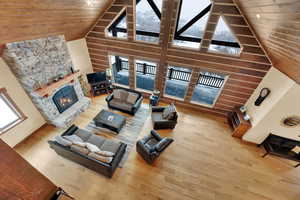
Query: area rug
pixel 129 133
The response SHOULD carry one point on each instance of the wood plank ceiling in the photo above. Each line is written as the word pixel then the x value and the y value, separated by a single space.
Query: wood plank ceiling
pixel 29 19
pixel 277 24
pixel 245 72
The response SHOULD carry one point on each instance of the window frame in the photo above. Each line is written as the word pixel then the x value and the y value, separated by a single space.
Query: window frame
pixel 149 33
pixel 166 79
pixel 135 73
pixel 114 24
pixel 226 77
pixel 178 36
pixel 112 70
pixel 13 106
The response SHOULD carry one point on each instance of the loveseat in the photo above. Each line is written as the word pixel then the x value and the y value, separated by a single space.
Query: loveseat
pixel 125 100
pixel 107 169
pixel 151 146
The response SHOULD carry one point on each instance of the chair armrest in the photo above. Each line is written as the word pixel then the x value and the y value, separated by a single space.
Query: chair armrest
pixel 119 155
pixel 109 97
pixel 158 108
pixel 163 144
pixel 138 102
pixel 156 135
pixel 70 130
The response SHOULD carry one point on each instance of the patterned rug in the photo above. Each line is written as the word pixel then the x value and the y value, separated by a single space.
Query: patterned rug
pixel 129 133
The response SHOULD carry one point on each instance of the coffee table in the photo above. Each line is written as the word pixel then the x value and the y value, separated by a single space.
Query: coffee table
pixel 110 120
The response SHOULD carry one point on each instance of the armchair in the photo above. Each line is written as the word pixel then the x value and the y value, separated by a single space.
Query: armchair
pixel 151 146
pixel 159 122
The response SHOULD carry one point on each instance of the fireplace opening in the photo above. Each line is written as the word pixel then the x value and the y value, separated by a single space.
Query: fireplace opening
pixel 65 98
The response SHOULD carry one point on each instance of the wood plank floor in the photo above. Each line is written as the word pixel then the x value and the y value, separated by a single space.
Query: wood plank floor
pixel 204 162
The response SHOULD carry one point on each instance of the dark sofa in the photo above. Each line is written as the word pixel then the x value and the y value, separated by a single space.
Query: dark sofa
pixel 159 122
pixel 123 106
pixel 151 146
pixel 91 163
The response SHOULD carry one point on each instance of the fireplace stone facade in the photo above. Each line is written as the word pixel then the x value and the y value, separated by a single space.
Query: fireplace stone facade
pixel 37 63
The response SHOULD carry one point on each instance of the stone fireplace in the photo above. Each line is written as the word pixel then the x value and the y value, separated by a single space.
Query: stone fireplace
pixel 45 63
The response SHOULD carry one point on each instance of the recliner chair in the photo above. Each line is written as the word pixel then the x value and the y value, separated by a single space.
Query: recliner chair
pixel 151 146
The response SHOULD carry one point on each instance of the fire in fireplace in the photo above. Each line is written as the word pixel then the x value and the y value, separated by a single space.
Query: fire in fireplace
pixel 65 98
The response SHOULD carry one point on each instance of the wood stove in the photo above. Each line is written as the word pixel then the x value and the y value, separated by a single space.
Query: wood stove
pixel 65 98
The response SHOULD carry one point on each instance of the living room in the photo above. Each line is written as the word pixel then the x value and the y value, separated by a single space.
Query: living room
pixel 149 99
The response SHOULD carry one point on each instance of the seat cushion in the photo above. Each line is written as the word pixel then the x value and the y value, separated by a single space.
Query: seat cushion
pixel 83 134
pixel 79 149
pixel 121 104
pixel 157 117
pixel 96 140
pixel 73 138
pixel 117 94
pixel 60 140
pixel 100 158
pixel 111 146
pixel 132 97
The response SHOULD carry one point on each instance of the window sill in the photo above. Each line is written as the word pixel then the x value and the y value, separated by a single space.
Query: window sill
pixel 12 125
pixel 173 97
pixel 202 104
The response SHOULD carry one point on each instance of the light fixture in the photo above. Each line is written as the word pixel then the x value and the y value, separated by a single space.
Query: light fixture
pixel 90 2
pixel 257 16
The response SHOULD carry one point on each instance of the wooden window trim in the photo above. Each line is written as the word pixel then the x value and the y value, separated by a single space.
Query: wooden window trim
pixel 15 108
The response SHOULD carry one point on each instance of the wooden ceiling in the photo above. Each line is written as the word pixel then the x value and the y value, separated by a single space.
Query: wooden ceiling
pixel 29 19
pixel 277 24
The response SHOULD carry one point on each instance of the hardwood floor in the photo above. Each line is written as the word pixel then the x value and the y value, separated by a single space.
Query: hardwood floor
pixel 204 162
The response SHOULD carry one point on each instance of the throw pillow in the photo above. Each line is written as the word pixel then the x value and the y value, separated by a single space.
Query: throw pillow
pixel 100 158
pixel 92 147
pixel 166 112
pixel 60 140
pixel 172 113
pixel 105 153
pixel 73 138
pixel 132 97
pixel 79 149
pixel 123 95
pixel 81 144
pixel 117 94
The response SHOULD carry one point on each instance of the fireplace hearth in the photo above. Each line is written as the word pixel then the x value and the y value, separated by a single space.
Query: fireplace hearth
pixel 65 98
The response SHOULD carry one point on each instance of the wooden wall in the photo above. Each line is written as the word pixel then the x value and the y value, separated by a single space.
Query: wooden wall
pixel 30 19
pixel 245 72
pixel 277 24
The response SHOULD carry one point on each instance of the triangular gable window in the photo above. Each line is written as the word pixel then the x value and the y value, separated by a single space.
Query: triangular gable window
pixel 119 27
pixel 148 15
pixel 191 22
pixel 224 40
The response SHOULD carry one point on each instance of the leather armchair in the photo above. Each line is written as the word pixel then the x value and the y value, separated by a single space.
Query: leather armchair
pixel 159 122
pixel 151 146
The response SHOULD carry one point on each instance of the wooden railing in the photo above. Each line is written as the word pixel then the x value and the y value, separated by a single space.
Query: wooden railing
pixel 175 74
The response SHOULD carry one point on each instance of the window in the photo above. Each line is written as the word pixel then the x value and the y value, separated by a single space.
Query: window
pixel 208 88
pixel 120 70
pixel 191 22
pixel 118 28
pixel 145 74
pixel 223 40
pixel 177 81
pixel 148 15
pixel 10 115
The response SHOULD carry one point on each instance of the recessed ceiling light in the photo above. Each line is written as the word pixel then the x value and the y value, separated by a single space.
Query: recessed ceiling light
pixel 257 16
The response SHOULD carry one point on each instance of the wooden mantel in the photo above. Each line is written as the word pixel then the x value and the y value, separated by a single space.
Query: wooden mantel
pixel 48 90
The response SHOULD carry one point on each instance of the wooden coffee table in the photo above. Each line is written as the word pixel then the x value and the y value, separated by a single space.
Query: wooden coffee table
pixel 110 120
